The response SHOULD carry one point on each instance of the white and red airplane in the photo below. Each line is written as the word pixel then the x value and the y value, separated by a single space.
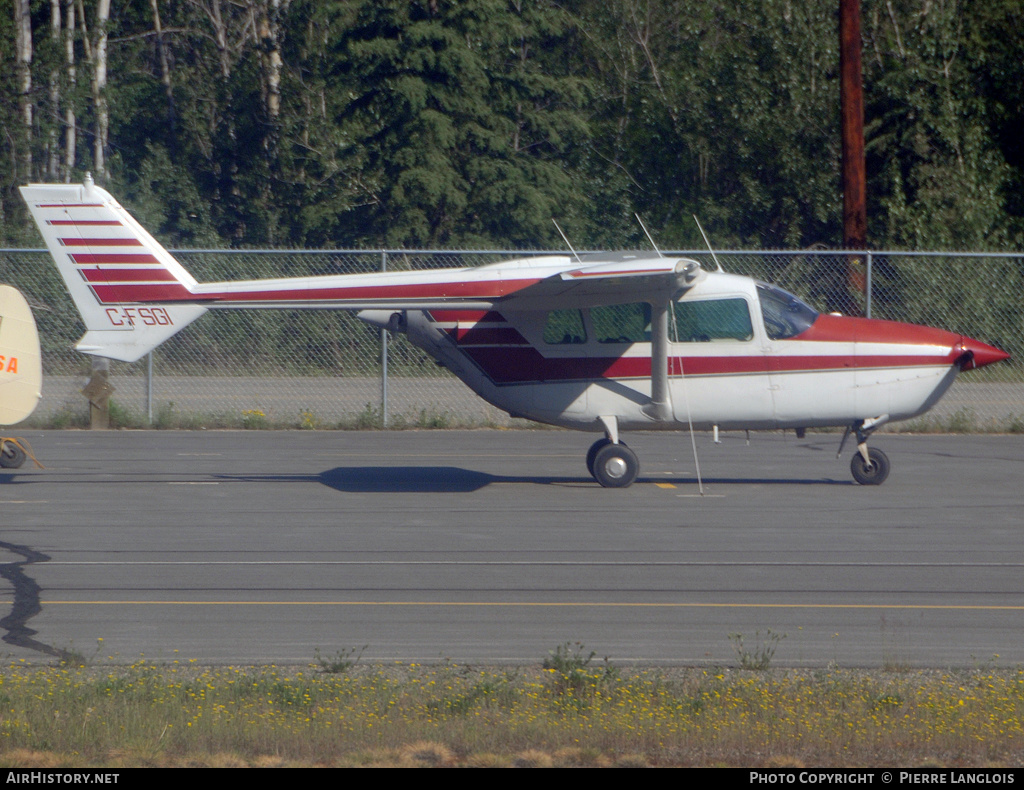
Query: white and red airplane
pixel 606 343
pixel 21 371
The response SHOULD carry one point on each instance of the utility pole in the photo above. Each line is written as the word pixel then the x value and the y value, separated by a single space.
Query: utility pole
pixel 851 98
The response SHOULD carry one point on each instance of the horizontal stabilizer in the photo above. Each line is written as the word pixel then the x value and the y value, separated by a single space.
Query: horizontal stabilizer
pixel 133 342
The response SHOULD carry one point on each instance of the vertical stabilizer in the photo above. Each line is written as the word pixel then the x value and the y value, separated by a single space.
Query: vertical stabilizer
pixel 131 293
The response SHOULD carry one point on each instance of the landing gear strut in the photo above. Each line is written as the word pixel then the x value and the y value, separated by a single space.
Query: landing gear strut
pixel 870 467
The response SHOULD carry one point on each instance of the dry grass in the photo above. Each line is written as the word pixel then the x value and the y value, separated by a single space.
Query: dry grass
pixel 415 716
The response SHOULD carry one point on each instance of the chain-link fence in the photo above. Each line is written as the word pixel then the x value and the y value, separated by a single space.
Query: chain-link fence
pixel 328 369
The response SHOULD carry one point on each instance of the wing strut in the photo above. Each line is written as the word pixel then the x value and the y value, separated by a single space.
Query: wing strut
pixel 660 407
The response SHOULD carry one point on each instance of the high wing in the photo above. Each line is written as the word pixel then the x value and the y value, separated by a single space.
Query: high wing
pixel 541 283
pixel 133 295
pixel 609 279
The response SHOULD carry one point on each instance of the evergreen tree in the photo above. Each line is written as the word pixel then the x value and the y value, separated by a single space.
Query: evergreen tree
pixel 461 131
pixel 936 175
pixel 727 110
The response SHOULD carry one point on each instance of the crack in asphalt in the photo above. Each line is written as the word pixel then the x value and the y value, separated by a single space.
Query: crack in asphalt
pixel 26 604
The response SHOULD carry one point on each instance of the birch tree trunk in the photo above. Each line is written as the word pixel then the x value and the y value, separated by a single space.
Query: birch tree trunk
pixel 70 130
pixel 221 37
pixel 269 34
pixel 53 136
pixel 23 46
pixel 99 90
pixel 165 70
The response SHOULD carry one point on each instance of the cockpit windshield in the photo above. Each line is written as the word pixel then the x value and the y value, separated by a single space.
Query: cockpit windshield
pixel 784 315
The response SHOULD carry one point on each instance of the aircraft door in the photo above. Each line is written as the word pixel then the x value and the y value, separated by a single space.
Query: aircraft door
pixel 716 371
pixel 811 382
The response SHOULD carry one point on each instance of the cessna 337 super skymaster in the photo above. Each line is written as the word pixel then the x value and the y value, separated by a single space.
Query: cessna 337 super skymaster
pixel 605 343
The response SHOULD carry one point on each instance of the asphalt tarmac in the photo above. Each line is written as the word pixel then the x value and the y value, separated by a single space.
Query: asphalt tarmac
pixel 496 546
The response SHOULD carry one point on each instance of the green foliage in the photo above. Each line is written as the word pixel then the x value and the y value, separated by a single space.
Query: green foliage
pixel 759 656
pixel 254 419
pixel 166 201
pixel 462 130
pixel 727 110
pixel 340 663
pixel 938 171
pixel 181 714
pixel 473 123
pixel 490 691
pixel 571 674
pixel 369 418
pixel 73 658
pixel 122 416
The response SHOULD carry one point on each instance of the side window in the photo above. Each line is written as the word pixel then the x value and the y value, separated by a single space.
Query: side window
pixel 564 327
pixel 622 323
pixel 713 319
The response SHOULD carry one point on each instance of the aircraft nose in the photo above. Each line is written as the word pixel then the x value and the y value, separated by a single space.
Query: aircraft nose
pixel 976 354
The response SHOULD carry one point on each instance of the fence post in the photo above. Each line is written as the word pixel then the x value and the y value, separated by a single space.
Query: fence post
pixel 98 390
pixel 149 387
pixel 867 289
pixel 384 357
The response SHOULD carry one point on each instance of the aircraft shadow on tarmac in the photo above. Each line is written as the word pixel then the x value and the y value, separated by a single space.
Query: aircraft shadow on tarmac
pixel 453 479
pixel 413 479
pixel 446 479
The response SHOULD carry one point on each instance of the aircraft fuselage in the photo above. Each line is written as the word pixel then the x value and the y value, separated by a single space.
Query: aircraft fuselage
pixel 733 373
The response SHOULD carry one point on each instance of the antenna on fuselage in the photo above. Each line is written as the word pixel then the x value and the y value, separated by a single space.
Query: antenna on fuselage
pixel 566 240
pixel 702 233
pixel 648 235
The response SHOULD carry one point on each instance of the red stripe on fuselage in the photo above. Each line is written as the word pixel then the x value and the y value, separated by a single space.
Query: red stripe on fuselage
pixel 528 366
pixel 494 289
pixel 484 290
pixel 849 329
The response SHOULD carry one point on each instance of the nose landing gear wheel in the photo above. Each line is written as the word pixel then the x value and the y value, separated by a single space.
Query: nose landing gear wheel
pixel 873 475
pixel 615 466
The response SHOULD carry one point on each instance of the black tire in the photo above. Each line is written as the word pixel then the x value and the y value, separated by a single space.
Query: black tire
pixel 592 453
pixel 873 475
pixel 616 466
pixel 12 456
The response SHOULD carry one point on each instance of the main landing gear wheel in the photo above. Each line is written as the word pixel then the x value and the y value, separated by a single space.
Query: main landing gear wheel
pixel 615 466
pixel 12 456
pixel 592 453
pixel 873 475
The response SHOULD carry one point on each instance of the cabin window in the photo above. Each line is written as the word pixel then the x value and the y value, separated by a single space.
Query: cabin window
pixel 622 323
pixel 564 327
pixel 713 319
pixel 784 314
